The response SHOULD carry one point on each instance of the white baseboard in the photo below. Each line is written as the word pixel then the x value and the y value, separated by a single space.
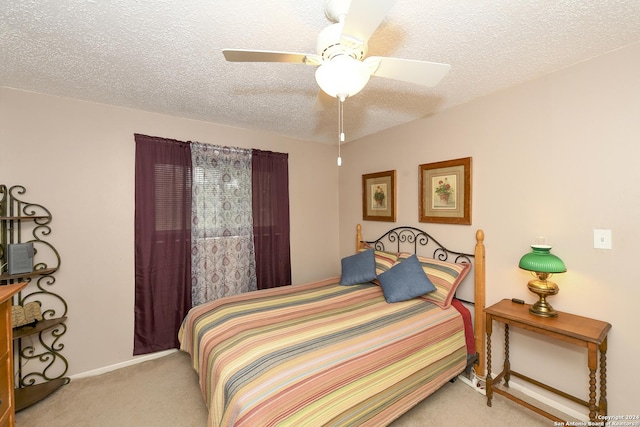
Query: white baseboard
pixel 477 384
pixel 136 360
pixel 548 401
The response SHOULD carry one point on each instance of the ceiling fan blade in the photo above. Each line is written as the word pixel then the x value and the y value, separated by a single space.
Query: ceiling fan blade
pixel 408 70
pixel 364 18
pixel 323 101
pixel 243 55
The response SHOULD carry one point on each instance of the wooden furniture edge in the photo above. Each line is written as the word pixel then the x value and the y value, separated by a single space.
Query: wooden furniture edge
pixel 550 325
pixel 479 301
pixel 8 417
pixel 359 239
pixel 7 291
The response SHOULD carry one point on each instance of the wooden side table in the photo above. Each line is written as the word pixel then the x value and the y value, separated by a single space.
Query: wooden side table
pixel 578 330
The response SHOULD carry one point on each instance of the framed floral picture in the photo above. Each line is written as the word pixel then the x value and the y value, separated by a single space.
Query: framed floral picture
pixel 445 192
pixel 379 196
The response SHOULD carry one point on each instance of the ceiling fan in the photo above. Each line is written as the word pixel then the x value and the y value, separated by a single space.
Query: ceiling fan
pixel 343 68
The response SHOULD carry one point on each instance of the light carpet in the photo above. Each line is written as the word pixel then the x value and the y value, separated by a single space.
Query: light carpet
pixel 164 392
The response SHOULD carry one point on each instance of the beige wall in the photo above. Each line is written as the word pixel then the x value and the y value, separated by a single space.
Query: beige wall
pixel 556 157
pixel 77 159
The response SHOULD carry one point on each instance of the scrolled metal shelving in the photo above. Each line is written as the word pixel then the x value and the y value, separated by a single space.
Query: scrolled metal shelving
pixel 39 364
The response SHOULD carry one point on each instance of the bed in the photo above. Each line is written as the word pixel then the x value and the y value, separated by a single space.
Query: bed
pixel 326 353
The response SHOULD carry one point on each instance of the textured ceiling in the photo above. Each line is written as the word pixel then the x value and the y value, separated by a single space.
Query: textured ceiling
pixel 165 56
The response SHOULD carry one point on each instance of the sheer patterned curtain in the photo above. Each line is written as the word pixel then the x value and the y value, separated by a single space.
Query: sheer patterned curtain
pixel 194 230
pixel 222 246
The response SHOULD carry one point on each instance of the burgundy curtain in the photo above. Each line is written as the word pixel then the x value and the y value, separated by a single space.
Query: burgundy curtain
pixel 270 187
pixel 162 242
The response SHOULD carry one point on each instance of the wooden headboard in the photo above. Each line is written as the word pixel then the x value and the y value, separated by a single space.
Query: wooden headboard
pixel 410 239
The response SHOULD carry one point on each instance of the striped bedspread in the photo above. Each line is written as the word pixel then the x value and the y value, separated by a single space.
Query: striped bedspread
pixel 320 354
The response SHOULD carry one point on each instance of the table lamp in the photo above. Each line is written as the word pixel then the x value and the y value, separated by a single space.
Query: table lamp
pixel 543 264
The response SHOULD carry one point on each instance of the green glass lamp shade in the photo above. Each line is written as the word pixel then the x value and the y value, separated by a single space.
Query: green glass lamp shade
pixel 543 263
pixel 541 260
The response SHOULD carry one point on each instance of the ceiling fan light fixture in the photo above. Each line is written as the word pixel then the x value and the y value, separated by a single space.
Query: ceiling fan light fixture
pixel 342 76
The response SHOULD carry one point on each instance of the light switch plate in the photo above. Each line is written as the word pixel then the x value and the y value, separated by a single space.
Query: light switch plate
pixel 602 239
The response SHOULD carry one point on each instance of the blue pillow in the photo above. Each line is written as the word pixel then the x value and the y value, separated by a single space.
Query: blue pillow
pixel 358 268
pixel 405 280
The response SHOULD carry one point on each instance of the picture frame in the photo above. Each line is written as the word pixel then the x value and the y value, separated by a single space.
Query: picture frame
pixel 445 192
pixel 379 196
